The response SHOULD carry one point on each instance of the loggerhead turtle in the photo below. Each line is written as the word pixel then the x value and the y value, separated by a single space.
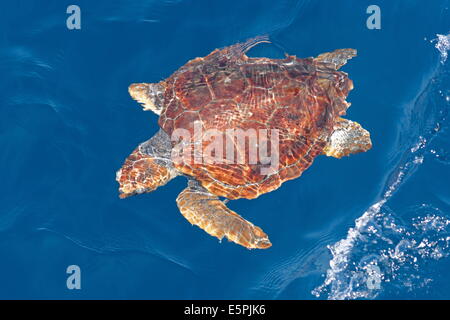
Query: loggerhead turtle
pixel 302 99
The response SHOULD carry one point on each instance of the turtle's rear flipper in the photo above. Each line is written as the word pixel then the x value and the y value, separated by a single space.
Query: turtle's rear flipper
pixel 347 138
pixel 338 57
pixel 206 211
pixel 147 168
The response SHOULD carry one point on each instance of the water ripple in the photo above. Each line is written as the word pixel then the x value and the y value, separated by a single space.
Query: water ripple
pixel 382 249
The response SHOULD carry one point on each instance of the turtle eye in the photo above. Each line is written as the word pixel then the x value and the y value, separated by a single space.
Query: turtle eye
pixel 150 95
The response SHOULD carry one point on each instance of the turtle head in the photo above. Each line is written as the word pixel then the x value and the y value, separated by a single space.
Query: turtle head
pixel 150 95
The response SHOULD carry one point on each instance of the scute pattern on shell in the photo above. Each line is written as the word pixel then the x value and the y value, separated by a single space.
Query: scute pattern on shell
pixel 299 97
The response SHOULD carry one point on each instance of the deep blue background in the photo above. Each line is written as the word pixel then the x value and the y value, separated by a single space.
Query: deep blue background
pixel 67 123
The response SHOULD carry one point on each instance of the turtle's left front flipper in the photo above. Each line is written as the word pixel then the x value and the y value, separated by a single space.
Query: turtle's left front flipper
pixel 148 167
pixel 206 211
pixel 347 138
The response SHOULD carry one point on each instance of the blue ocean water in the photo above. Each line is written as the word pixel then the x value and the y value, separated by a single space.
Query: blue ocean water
pixel 371 226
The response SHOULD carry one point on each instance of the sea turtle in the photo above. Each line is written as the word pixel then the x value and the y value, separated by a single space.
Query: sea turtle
pixel 301 101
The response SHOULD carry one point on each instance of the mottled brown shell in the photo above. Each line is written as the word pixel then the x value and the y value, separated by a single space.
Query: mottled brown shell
pixel 302 98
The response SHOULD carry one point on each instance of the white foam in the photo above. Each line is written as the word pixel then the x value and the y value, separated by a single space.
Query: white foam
pixel 379 249
pixel 382 250
pixel 443 45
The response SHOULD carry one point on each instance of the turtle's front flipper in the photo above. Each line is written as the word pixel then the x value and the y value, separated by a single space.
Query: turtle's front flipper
pixel 347 138
pixel 148 167
pixel 206 211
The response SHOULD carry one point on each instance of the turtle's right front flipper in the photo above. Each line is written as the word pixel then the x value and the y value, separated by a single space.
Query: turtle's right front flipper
pixel 148 167
pixel 206 211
